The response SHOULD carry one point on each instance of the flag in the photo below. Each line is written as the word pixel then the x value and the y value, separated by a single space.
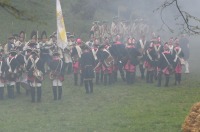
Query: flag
pixel 61 32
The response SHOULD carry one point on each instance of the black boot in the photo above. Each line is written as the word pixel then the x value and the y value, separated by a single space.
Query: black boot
pixel 159 79
pixel 110 79
pixel 131 78
pixel 176 79
pixel 81 79
pixel 166 80
pixel 12 92
pixel 91 86
pixel 1 93
pixel 122 74
pixel 18 87
pixel 151 76
pixel 32 94
pixel 97 78
pixel 147 77
pixel 39 94
pixel 115 76
pixel 155 74
pixel 27 91
pixel 179 78
pixel 86 86
pixel 54 92
pixel 102 75
pixel 141 71
pixel 128 77
pixel 75 79
pixel 8 91
pixel 59 92
pixel 105 79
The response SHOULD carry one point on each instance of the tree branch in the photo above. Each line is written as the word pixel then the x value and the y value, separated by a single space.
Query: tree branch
pixel 186 27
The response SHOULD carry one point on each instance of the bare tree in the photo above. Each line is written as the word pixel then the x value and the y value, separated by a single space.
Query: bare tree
pixel 186 26
pixel 14 11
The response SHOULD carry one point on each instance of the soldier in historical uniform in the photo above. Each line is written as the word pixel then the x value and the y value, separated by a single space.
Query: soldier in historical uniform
pixel 96 29
pixel 97 55
pixel 150 56
pixel 27 55
pixel 184 44
pixel 10 45
pixel 178 61
pixel 171 45
pixel 142 45
pixel 11 73
pixel 105 30
pixel 33 42
pixel 76 55
pixel 67 54
pixel 87 63
pixel 118 52
pixel 2 74
pixel 20 57
pixel 107 62
pixel 158 47
pixel 21 41
pixel 165 65
pixel 35 70
pixel 45 50
pixel 57 75
pixel 115 28
pixel 132 61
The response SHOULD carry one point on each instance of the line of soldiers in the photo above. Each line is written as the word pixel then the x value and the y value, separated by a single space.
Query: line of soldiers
pixel 25 64
pixel 28 62
pixel 124 28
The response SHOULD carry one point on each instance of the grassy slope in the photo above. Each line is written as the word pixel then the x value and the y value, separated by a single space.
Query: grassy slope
pixel 119 108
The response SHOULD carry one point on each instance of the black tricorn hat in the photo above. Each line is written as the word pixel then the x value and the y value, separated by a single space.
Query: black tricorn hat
pixel 33 33
pixel 43 34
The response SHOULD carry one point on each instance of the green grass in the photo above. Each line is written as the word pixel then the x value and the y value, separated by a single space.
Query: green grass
pixel 119 108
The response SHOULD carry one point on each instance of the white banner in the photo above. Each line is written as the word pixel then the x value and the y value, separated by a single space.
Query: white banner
pixel 61 32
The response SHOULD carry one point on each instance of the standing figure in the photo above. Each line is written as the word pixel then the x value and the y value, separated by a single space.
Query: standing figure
pixel 76 55
pixel 2 75
pixel 165 65
pixel 184 44
pixel 149 62
pixel 132 61
pixel 87 63
pixel 57 75
pixel 12 65
pixel 178 62
pixel 106 61
pixel 142 46
pixel 96 29
pixel 105 31
pixel 35 70
pixel 115 28
pixel 118 52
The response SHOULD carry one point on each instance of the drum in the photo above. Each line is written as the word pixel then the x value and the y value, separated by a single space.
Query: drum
pixel 109 61
pixel 38 74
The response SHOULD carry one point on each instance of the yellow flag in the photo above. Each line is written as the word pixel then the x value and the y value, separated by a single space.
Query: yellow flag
pixel 61 32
